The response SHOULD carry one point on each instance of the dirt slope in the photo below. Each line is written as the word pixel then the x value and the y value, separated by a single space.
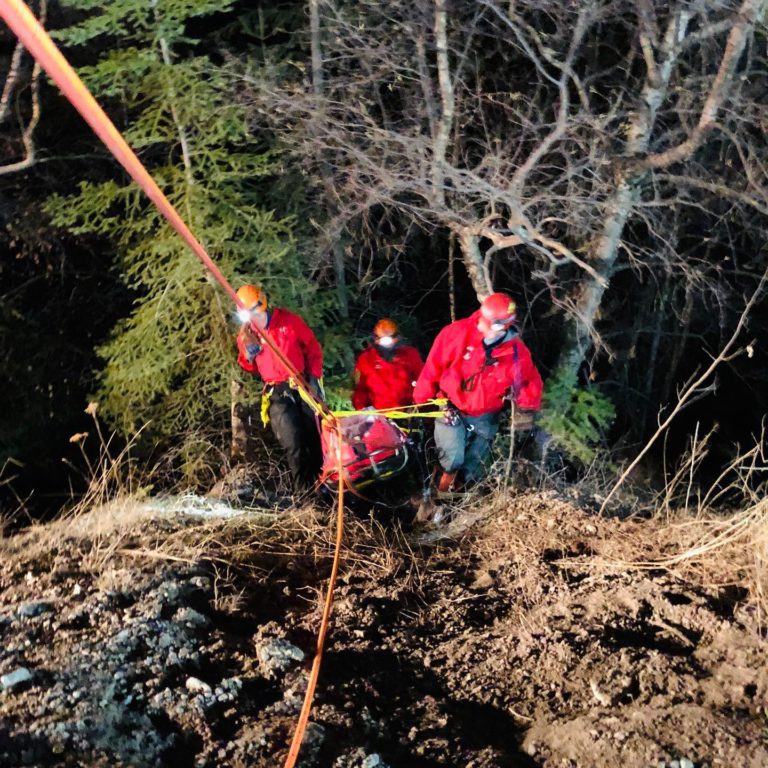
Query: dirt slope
pixel 489 649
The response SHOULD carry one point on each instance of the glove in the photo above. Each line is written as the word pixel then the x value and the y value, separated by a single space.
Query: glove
pixel 316 386
pixel 451 415
pixel 252 343
pixel 251 351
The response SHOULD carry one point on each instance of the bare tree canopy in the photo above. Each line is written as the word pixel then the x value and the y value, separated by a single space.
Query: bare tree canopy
pixel 581 139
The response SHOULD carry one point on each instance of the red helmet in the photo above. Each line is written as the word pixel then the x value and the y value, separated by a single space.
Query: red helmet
pixel 499 309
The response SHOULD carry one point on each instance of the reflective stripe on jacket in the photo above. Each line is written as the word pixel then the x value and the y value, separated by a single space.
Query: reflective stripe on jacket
pixel 386 383
pixel 457 368
pixel 294 339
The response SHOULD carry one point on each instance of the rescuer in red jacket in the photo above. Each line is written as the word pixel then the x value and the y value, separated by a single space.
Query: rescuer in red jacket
pixel 477 363
pixel 386 372
pixel 292 420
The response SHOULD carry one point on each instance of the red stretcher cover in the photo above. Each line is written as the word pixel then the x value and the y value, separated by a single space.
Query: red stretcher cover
pixel 372 448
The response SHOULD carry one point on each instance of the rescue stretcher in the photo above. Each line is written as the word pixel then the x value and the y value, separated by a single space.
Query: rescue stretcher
pixel 370 447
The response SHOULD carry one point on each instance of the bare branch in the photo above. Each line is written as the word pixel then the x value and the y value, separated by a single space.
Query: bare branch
pixel 447 101
pixel 561 124
pixel 745 20
pixel 648 34
pixel 693 389
pixel 721 190
pixel 10 81
pixel 27 135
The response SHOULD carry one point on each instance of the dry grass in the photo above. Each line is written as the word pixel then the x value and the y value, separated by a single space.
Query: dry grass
pixel 115 528
pixel 685 530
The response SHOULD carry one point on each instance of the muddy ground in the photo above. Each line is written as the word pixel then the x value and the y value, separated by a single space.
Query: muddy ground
pixel 177 642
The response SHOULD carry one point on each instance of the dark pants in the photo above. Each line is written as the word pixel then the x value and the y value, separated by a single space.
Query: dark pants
pixel 466 445
pixel 295 427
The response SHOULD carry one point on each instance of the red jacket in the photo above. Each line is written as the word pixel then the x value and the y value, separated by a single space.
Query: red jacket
pixel 386 383
pixel 456 368
pixel 294 339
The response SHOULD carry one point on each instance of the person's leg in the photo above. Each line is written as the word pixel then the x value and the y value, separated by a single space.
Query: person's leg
pixel 286 421
pixel 450 441
pixel 481 432
pixel 312 459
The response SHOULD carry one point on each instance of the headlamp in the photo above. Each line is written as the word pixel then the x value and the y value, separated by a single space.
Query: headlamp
pixel 385 341
pixel 244 315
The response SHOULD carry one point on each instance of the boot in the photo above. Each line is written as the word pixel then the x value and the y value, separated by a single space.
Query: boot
pixel 448 482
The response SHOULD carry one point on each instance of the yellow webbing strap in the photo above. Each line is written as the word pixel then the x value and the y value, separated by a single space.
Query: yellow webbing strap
pixel 400 413
pixel 266 397
pixel 309 399
pixel 390 413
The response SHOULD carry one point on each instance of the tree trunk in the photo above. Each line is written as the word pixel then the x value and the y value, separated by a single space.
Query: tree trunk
pixel 581 334
pixel 325 171
pixel 677 355
pixel 650 372
pixel 475 264
pixel 637 162
pixel 241 445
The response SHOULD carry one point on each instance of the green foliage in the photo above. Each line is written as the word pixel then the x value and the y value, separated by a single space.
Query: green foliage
pixel 576 417
pixel 171 361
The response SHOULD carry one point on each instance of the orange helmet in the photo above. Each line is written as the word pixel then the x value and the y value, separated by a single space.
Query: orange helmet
pixel 253 297
pixel 499 309
pixel 385 327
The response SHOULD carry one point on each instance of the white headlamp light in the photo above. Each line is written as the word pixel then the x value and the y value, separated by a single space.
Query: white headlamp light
pixel 385 341
pixel 244 315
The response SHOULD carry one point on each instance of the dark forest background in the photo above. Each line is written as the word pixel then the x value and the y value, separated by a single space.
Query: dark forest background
pixel 604 162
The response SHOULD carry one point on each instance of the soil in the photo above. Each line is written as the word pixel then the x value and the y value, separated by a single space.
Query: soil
pixel 506 642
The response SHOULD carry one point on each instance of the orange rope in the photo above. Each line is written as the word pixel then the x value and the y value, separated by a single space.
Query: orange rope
pixel 301 726
pixel 36 40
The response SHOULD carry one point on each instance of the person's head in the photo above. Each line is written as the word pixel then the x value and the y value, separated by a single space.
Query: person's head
pixel 497 313
pixel 386 335
pixel 255 305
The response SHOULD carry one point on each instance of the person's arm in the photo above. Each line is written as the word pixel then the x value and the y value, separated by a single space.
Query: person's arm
pixel 313 352
pixel 530 388
pixel 248 348
pixel 428 382
pixel 361 397
pixel 415 363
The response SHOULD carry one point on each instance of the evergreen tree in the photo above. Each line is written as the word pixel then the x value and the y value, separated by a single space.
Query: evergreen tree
pixel 575 417
pixel 171 361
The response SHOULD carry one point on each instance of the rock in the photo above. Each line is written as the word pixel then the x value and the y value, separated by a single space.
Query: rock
pixel 276 655
pixel 15 678
pixel 685 763
pixel 314 737
pixel 195 685
pixel 373 761
pixel 30 610
pixel 191 617
pixel 483 580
